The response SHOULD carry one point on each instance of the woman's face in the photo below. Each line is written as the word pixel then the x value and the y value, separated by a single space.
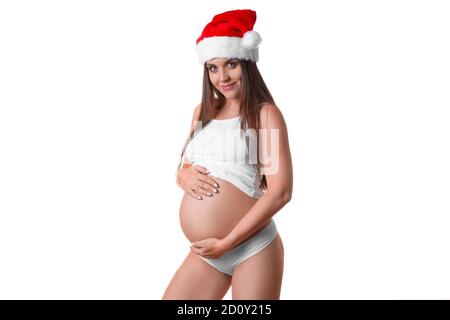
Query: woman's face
pixel 224 72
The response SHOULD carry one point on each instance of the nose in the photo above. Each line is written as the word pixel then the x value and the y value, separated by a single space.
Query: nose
pixel 223 76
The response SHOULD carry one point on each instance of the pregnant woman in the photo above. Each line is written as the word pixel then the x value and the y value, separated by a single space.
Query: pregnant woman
pixel 236 171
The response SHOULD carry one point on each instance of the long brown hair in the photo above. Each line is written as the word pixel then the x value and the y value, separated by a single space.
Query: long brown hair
pixel 254 94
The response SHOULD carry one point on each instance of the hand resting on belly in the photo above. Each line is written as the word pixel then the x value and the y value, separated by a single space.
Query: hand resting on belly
pixel 196 182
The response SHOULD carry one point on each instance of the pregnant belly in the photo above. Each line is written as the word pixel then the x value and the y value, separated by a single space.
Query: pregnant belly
pixel 215 216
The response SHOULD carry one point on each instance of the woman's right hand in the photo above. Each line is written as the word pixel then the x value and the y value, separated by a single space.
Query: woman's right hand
pixel 194 180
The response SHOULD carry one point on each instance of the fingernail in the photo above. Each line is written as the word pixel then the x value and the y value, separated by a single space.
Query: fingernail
pixel 199 197
pixel 215 185
pixel 215 190
pixel 209 194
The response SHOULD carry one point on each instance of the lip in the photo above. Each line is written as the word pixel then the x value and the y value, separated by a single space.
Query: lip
pixel 229 87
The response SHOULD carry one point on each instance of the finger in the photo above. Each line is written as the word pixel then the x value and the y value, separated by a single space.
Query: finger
pixel 206 179
pixel 202 191
pixel 194 250
pixel 211 184
pixel 205 192
pixel 196 245
pixel 197 250
pixel 203 176
pixel 201 169
pixel 200 243
pixel 193 194
pixel 211 181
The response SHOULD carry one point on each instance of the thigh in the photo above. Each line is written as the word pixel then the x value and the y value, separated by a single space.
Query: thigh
pixel 195 279
pixel 260 276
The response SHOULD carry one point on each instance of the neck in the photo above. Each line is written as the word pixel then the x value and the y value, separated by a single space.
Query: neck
pixel 232 104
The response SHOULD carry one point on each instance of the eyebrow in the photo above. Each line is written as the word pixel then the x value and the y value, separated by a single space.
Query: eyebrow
pixel 226 61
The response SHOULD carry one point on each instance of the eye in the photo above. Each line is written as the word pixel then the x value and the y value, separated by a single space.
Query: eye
pixel 233 64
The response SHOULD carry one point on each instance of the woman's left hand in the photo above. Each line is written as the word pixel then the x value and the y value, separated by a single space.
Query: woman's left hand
pixel 212 248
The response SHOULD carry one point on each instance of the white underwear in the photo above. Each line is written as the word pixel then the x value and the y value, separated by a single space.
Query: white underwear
pixel 230 260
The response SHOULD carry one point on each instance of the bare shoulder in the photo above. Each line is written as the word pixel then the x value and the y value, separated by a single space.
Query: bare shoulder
pixel 197 111
pixel 271 116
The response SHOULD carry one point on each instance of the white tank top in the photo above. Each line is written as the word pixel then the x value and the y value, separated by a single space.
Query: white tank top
pixel 221 147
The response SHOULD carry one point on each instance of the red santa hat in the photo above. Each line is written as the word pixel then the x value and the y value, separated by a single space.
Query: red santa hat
pixel 229 35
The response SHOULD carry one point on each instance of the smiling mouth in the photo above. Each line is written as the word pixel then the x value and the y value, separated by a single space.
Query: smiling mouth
pixel 228 86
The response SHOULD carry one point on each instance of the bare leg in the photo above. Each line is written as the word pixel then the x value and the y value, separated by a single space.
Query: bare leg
pixel 260 276
pixel 195 279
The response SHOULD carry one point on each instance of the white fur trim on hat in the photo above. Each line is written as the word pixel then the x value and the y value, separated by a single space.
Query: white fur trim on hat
pixel 229 47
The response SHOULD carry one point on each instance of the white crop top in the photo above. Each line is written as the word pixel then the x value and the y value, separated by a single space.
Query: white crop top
pixel 221 147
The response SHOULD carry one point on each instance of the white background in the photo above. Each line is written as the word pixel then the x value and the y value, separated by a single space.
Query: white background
pixel 96 99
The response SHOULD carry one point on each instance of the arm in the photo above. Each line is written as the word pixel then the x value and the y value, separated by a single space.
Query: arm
pixel 186 163
pixel 279 180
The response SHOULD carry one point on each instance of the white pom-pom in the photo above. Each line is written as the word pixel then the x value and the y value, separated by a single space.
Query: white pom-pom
pixel 251 39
